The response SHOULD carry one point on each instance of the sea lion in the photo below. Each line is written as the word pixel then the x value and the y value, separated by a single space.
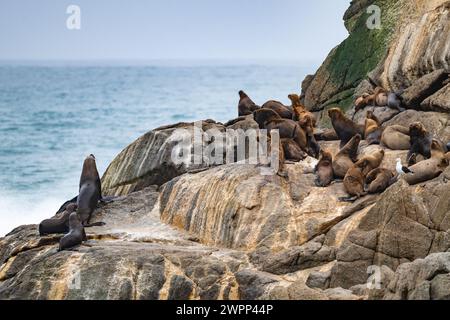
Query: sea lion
pixel 344 127
pixel 370 162
pixel 279 108
pixel 324 169
pixel 396 137
pixel 76 234
pixel 379 180
pixel 394 101
pixel 376 99
pixel 313 148
pixel 430 168
pixel 90 191
pixel 420 140
pixel 354 184
pixel 326 135
pixel 59 224
pixel 346 157
pixel 373 130
pixel 289 129
pixel 292 150
pixel 246 106
pixel 300 113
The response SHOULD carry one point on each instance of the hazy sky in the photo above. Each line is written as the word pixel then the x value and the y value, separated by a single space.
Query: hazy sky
pixel 303 30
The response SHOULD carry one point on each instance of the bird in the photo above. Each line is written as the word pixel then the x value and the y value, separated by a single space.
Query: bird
pixel 401 169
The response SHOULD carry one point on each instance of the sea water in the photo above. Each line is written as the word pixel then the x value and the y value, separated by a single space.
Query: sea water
pixel 53 116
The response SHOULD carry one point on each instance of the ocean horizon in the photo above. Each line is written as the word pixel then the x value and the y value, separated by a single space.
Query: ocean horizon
pixel 56 113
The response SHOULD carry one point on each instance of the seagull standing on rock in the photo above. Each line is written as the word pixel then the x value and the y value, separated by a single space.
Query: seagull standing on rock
pixel 401 169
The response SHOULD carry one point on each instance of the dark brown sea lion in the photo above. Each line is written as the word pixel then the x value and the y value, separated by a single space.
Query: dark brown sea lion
pixel 279 108
pixel 288 129
pixel 430 168
pixel 420 140
pixel 90 191
pixel 346 157
pixel 344 127
pixel 292 150
pixel 354 184
pixel 379 180
pixel 246 106
pixel 300 113
pixel 59 224
pixel 313 147
pixel 76 234
pixel 371 161
pixel 324 169
pixel 396 137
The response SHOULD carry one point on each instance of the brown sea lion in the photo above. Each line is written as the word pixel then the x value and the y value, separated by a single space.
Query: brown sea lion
pixel 90 191
pixel 246 106
pixel 313 148
pixel 354 184
pixel 420 140
pixel 279 108
pixel 379 180
pixel 300 113
pixel 59 224
pixel 373 130
pixel 430 168
pixel 346 157
pixel 324 169
pixel 396 137
pixel 292 151
pixel 371 161
pixel 289 129
pixel 361 102
pixel 344 127
pixel 76 234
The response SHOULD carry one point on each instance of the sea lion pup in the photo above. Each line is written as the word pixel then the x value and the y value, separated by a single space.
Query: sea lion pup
pixel 420 140
pixel 289 129
pixel 396 137
pixel 430 168
pixel 292 151
pixel 300 113
pixel 90 191
pixel 346 157
pixel 324 169
pixel 344 127
pixel 58 224
pixel 379 180
pixel 373 129
pixel 279 108
pixel 76 234
pixel 354 184
pixel 246 106
pixel 370 162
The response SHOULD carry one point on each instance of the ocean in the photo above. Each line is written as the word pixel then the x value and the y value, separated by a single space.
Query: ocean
pixel 53 116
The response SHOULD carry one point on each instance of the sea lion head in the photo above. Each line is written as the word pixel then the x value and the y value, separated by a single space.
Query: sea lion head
pixel 325 155
pixel 417 129
pixel 334 113
pixel 295 99
pixel 242 94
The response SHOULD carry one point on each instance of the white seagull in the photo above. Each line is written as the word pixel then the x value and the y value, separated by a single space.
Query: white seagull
pixel 401 169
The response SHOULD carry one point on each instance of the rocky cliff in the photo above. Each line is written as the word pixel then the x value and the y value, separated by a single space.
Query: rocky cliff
pixel 227 232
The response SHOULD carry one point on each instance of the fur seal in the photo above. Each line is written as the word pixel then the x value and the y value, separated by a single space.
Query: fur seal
pixel 344 127
pixel 289 129
pixel 279 108
pixel 76 234
pixel 246 106
pixel 324 169
pixel 59 224
pixel 396 137
pixel 346 157
pixel 373 130
pixel 430 168
pixel 90 191
pixel 379 180
pixel 370 162
pixel 354 184
pixel 300 113
pixel 420 140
